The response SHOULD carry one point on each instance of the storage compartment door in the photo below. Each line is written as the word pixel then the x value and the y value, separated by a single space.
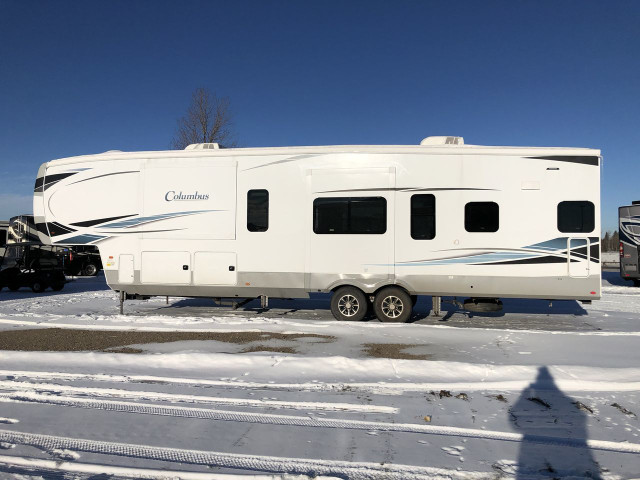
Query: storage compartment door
pixel 214 268
pixel 125 269
pixel 166 268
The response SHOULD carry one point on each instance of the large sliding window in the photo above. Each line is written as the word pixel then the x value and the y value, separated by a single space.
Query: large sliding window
pixel 350 215
pixel 423 217
pixel 576 217
pixel 481 217
pixel 258 210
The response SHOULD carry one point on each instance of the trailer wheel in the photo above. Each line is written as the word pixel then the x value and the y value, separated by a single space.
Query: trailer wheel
pixel 90 270
pixel 636 282
pixel 393 304
pixel 349 303
pixel 56 287
pixel 13 287
pixel 38 287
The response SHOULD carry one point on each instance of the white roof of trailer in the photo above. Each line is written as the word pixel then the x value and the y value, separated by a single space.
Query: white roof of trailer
pixel 450 149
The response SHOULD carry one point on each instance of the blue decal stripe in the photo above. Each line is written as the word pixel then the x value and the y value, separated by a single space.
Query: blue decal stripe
pixel 555 244
pixel 133 222
pixel 81 239
pixel 488 257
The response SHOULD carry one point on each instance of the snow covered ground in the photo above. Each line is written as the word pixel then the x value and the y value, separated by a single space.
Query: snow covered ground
pixel 537 391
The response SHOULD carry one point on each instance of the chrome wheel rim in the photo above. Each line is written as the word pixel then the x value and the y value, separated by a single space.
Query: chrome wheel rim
pixel 392 306
pixel 348 305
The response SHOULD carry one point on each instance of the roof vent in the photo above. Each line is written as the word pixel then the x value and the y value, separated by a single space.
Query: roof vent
pixel 202 146
pixel 442 141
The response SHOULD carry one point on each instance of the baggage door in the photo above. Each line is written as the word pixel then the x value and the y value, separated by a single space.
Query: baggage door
pixel 166 268
pixel 578 257
pixel 215 268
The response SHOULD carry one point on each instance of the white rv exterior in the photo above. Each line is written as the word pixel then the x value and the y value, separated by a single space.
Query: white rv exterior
pixel 368 217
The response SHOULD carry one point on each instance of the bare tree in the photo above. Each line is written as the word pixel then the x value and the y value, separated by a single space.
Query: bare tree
pixel 208 120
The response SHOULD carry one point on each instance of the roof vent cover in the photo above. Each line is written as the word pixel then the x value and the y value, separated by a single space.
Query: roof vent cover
pixel 202 146
pixel 442 141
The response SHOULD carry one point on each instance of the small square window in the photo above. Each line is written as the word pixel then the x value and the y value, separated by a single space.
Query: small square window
pixel 576 217
pixel 481 217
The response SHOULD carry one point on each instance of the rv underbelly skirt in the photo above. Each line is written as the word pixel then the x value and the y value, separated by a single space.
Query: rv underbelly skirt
pixel 298 285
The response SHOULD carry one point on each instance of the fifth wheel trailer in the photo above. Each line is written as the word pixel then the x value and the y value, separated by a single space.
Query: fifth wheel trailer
pixel 368 223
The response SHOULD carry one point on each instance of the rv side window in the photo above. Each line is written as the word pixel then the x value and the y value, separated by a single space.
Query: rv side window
pixel 258 210
pixel 3 238
pixel 350 215
pixel 576 217
pixel 481 217
pixel 423 217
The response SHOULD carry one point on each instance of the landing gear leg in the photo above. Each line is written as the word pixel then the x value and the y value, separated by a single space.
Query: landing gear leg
pixel 437 306
pixel 121 302
pixel 264 302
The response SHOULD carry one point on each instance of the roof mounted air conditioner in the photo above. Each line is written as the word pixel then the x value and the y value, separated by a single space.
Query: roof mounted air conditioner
pixel 442 141
pixel 202 146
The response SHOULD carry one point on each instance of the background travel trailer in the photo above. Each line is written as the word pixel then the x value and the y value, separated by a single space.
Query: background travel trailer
pixel 629 228
pixel 381 222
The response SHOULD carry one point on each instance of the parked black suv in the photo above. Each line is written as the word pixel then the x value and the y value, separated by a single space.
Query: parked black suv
pixel 35 266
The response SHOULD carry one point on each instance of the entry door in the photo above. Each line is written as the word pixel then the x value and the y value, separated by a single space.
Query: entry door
pixel 367 257
pixel 578 257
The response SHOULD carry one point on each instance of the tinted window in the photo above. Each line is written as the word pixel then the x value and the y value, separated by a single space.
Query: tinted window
pixel 481 217
pixel 576 217
pixel 350 215
pixel 423 217
pixel 257 210
pixel 3 238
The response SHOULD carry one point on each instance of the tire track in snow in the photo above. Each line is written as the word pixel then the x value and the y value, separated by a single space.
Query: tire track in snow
pixel 388 388
pixel 260 463
pixel 39 466
pixel 172 397
pixel 299 421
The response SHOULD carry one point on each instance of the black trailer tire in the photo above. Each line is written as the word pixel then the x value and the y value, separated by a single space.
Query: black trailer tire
pixel 393 304
pixel 13 288
pixel 56 287
pixel 38 287
pixel 90 270
pixel 349 304
pixel 636 282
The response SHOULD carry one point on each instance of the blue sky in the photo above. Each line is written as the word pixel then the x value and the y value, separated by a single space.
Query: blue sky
pixel 85 77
